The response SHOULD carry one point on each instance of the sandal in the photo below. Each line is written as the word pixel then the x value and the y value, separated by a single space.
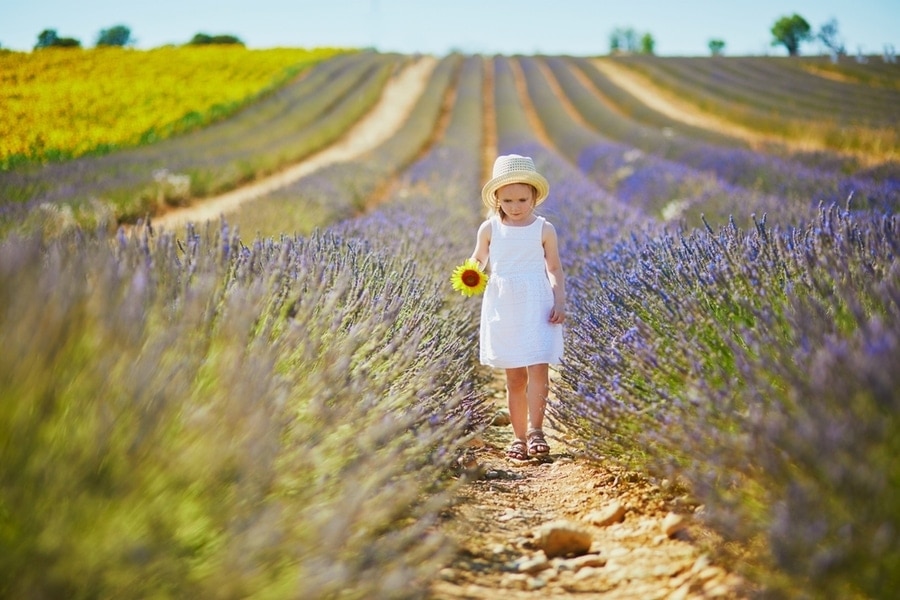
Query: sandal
pixel 517 450
pixel 537 445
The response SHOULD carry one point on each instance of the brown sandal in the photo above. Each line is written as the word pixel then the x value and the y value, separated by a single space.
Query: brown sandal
pixel 537 445
pixel 517 450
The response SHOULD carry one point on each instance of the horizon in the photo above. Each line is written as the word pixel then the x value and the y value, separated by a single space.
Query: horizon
pixel 468 26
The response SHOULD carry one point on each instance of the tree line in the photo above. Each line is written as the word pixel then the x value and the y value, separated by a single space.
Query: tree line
pixel 788 31
pixel 120 35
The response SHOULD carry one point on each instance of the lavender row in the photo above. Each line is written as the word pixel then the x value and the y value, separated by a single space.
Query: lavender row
pixel 765 87
pixel 633 108
pixel 789 89
pixel 765 174
pixel 620 105
pixel 869 132
pixel 435 208
pixel 656 186
pixel 347 189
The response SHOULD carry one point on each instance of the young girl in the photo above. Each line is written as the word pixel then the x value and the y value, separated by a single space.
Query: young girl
pixel 524 303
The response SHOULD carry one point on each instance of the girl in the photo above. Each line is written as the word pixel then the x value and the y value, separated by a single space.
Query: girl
pixel 524 303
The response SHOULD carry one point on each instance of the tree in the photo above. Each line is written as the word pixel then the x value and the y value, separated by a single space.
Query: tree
pixel 118 35
pixel 828 35
pixel 790 32
pixel 647 44
pixel 203 39
pixel 48 38
pixel 717 47
pixel 623 40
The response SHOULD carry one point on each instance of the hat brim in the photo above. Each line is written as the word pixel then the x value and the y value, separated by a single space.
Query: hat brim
pixel 539 182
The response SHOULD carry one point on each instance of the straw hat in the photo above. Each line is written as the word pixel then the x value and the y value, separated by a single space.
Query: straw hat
pixel 512 168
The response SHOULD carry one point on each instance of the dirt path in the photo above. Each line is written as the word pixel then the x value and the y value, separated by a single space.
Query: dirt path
pixel 644 543
pixel 398 99
pixel 668 104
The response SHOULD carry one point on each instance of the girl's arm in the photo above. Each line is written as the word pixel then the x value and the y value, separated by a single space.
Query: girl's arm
pixel 482 244
pixel 554 273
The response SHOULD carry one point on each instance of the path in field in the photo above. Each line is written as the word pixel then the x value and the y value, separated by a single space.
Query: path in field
pixel 398 99
pixel 640 549
pixel 668 104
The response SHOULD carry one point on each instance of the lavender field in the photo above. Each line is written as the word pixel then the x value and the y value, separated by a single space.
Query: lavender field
pixel 273 404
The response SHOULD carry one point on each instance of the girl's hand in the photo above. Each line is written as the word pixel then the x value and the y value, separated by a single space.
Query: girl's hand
pixel 557 315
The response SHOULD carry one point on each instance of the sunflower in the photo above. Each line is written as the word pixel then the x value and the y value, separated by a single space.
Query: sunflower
pixel 468 278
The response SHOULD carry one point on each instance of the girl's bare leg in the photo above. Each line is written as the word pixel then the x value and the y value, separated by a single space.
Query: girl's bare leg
pixel 537 391
pixel 517 400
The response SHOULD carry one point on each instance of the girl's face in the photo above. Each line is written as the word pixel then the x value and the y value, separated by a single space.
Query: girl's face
pixel 516 202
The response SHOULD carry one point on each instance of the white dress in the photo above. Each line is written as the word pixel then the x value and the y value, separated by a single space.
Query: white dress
pixel 515 311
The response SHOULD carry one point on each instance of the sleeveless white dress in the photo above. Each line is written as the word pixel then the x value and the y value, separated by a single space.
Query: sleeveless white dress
pixel 515 309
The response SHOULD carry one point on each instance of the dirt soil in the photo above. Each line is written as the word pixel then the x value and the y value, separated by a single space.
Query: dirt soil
pixel 644 542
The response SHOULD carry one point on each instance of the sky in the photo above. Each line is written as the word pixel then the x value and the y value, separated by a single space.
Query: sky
pixel 575 27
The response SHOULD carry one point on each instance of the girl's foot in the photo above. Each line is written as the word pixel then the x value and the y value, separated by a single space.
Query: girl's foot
pixel 517 450
pixel 537 445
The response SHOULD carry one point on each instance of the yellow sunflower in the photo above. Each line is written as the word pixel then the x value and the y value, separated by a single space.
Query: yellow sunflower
pixel 468 278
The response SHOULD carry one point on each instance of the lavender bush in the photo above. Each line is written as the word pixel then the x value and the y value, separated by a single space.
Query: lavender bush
pixel 755 368
pixel 207 418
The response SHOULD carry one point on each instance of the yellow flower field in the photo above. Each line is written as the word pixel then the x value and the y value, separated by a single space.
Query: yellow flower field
pixel 66 102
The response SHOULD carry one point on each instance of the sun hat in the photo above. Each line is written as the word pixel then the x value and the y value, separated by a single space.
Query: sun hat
pixel 513 168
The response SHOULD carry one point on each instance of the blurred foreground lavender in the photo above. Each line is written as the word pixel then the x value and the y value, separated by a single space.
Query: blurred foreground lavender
pixel 209 419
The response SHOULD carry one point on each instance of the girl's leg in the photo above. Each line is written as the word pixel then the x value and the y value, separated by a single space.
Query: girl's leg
pixel 538 389
pixel 517 401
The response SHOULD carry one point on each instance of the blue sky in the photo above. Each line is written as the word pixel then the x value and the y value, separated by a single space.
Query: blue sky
pixel 579 27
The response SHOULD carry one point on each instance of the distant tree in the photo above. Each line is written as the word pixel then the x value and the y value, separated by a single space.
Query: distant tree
pixel 118 35
pixel 828 35
pixel 67 42
pixel 48 38
pixel 201 39
pixel 623 40
pixel 717 47
pixel 647 44
pixel 790 32
pixel 615 44
pixel 890 54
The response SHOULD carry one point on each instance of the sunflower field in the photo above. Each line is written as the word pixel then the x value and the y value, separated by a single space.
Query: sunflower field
pixel 63 103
